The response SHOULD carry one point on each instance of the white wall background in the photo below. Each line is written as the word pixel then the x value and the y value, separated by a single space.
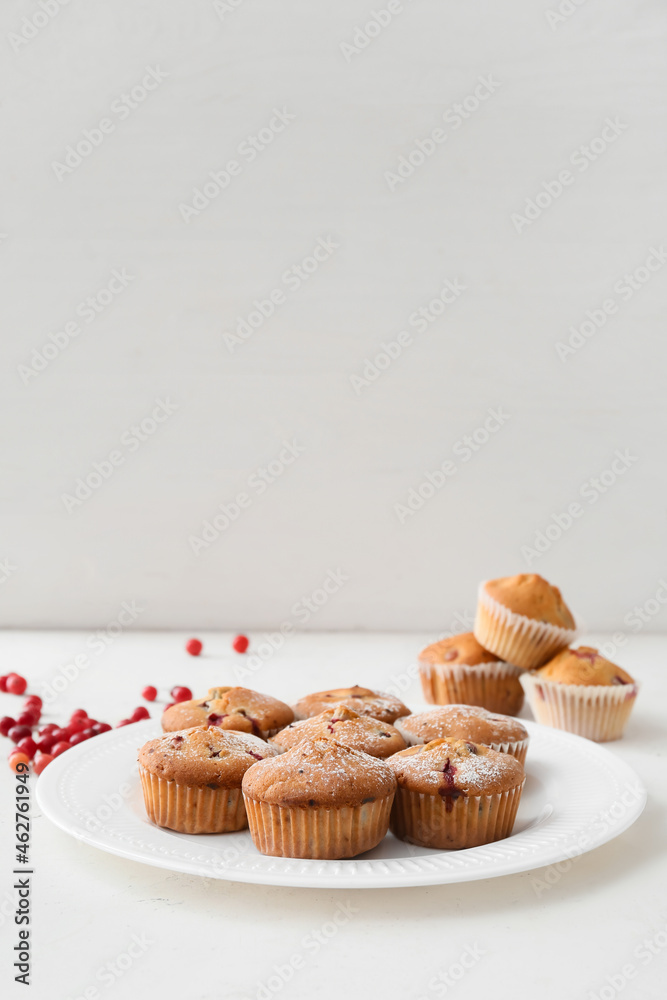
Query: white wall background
pixel 324 176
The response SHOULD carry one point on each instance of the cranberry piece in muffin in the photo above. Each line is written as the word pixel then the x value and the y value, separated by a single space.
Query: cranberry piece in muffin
pixel 363 701
pixel 360 732
pixel 235 708
pixel 454 794
pixel 318 800
pixel 192 779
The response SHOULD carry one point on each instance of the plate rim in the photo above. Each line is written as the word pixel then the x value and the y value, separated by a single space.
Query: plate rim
pixel 342 874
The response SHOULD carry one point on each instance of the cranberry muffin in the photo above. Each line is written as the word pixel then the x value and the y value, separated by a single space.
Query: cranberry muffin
pixel 360 732
pixel 318 800
pixel 523 619
pixel 235 708
pixel 191 779
pixel 466 722
pixel 458 671
pixel 455 794
pixel 582 692
pixel 363 701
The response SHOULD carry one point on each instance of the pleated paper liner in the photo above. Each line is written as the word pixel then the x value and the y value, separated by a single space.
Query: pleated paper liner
pixel 515 748
pixel 189 809
pixel 317 831
pixel 454 824
pixel 494 686
pixel 515 638
pixel 598 712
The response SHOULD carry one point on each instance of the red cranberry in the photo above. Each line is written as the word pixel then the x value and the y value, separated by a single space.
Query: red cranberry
pixel 3 682
pixel 241 643
pixel 28 719
pixel 34 699
pixel 18 733
pixel 6 723
pixel 194 647
pixel 60 735
pixel 59 748
pixel 16 684
pixel 76 726
pixel 41 760
pixel 100 727
pixel 16 758
pixel 170 705
pixel 78 738
pixel 149 693
pixel 123 722
pixel 180 693
pixel 45 743
pixel 78 713
pixel 49 728
pixel 28 746
pixel 140 713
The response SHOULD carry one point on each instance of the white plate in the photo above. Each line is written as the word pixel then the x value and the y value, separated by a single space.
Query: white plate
pixel 578 795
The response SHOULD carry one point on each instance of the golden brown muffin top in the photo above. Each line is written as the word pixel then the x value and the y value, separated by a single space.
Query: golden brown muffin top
pixel 452 768
pixel 531 595
pixel 360 732
pixel 203 756
pixel 463 722
pixel 463 649
pixel 361 700
pixel 235 708
pixel 583 665
pixel 320 772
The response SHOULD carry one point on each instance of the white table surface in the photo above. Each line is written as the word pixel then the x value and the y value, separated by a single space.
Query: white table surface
pixel 598 929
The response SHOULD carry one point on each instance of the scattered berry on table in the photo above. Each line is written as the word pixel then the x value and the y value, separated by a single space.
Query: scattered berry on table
pixel 149 693
pixel 241 643
pixel 17 733
pixel 16 758
pixel 27 745
pixel 180 693
pixel 16 684
pixel 40 762
pixel 194 646
pixel 141 712
pixel 59 748
pixel 6 723
pixel 3 682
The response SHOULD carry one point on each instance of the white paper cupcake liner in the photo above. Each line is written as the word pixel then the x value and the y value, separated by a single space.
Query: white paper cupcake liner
pixel 469 821
pixel 515 638
pixel 494 686
pixel 192 809
pixel 515 748
pixel 598 712
pixel 317 831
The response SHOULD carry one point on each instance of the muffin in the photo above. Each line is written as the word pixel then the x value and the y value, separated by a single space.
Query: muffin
pixel 523 619
pixel 318 800
pixel 377 704
pixel 360 732
pixel 582 692
pixel 454 794
pixel 236 708
pixel 466 722
pixel 458 671
pixel 191 779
